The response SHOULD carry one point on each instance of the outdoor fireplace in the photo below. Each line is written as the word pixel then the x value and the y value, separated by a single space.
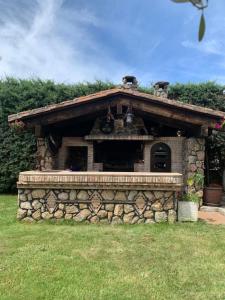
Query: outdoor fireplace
pixel 117 156
pixel 160 158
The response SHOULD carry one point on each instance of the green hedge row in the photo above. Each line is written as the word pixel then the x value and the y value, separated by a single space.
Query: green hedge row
pixel 17 150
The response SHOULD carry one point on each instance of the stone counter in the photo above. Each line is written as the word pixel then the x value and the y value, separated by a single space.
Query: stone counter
pixel 104 197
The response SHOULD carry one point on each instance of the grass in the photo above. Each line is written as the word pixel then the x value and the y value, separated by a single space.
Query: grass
pixel 81 261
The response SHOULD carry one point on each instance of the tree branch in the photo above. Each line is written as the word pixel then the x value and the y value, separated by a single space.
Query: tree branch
pixel 199 6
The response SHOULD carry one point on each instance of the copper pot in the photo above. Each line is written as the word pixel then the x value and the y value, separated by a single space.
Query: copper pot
pixel 213 195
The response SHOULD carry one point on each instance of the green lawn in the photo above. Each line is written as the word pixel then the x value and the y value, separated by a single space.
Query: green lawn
pixel 67 261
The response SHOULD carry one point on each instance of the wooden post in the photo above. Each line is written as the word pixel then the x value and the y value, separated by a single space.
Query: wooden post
pixel 38 131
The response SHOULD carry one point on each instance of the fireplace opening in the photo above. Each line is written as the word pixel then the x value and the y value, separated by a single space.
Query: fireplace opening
pixel 160 158
pixel 118 156
pixel 77 158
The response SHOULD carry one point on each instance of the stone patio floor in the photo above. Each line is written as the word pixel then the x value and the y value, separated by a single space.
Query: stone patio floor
pixel 212 215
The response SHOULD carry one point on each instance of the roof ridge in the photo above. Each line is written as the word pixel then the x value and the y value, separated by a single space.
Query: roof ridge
pixel 113 91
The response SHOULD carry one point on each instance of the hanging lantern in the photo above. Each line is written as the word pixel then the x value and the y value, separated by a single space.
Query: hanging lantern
pixel 129 116
pixel 179 133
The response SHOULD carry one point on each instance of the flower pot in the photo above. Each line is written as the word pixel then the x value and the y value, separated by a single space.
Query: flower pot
pixel 213 195
pixel 187 211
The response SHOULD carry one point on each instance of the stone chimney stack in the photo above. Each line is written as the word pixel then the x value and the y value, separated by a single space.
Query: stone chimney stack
pixel 161 89
pixel 130 82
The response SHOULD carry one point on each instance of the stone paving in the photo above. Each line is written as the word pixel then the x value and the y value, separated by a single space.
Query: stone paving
pixel 212 215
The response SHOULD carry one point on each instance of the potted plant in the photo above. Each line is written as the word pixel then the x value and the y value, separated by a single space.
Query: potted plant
pixel 189 203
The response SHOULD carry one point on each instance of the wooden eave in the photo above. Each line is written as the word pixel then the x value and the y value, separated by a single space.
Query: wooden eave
pixel 165 107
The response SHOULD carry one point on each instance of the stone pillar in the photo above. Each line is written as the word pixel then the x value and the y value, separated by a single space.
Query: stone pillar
pixel 45 160
pixel 194 160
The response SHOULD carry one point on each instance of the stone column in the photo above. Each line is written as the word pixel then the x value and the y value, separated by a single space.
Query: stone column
pixel 45 160
pixel 194 160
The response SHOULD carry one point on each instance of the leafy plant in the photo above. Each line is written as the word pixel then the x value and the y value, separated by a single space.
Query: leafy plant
pixel 196 180
pixel 201 5
pixel 191 197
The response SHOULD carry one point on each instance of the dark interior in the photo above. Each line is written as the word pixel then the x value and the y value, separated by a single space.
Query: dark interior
pixel 155 125
pixel 118 156
pixel 160 158
pixel 77 159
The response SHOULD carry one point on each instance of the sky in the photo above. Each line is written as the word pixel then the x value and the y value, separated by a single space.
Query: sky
pixel 72 41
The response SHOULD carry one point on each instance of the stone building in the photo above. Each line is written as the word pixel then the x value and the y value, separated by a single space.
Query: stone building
pixel 117 156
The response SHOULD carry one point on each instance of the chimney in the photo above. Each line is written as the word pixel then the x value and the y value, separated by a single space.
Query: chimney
pixel 161 89
pixel 130 82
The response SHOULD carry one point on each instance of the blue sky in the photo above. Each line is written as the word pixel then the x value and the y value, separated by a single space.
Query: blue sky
pixel 83 40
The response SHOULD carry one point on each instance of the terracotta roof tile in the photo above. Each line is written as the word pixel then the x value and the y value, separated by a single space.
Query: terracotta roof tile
pixel 113 92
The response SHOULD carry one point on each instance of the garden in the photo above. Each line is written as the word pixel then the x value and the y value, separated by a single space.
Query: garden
pixel 59 259
pixel 63 260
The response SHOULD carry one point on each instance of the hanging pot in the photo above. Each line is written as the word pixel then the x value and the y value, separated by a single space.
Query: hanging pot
pixel 106 127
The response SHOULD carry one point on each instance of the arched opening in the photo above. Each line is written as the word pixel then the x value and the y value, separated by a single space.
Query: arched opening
pixel 160 158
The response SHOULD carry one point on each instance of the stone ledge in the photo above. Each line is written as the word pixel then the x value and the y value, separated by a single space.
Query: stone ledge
pixel 116 137
pixel 95 186
pixel 67 178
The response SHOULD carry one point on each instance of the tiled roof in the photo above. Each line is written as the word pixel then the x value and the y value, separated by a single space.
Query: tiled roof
pixel 113 92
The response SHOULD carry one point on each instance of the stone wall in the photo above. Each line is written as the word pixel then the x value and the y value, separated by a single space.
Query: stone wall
pixel 45 160
pixel 194 161
pixel 92 206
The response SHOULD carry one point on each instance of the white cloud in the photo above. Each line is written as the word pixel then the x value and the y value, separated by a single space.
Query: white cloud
pixel 53 44
pixel 212 46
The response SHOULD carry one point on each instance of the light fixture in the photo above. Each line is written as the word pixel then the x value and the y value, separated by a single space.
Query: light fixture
pixel 129 116
pixel 179 133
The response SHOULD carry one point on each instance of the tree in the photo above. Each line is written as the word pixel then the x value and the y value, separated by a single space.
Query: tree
pixel 200 5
